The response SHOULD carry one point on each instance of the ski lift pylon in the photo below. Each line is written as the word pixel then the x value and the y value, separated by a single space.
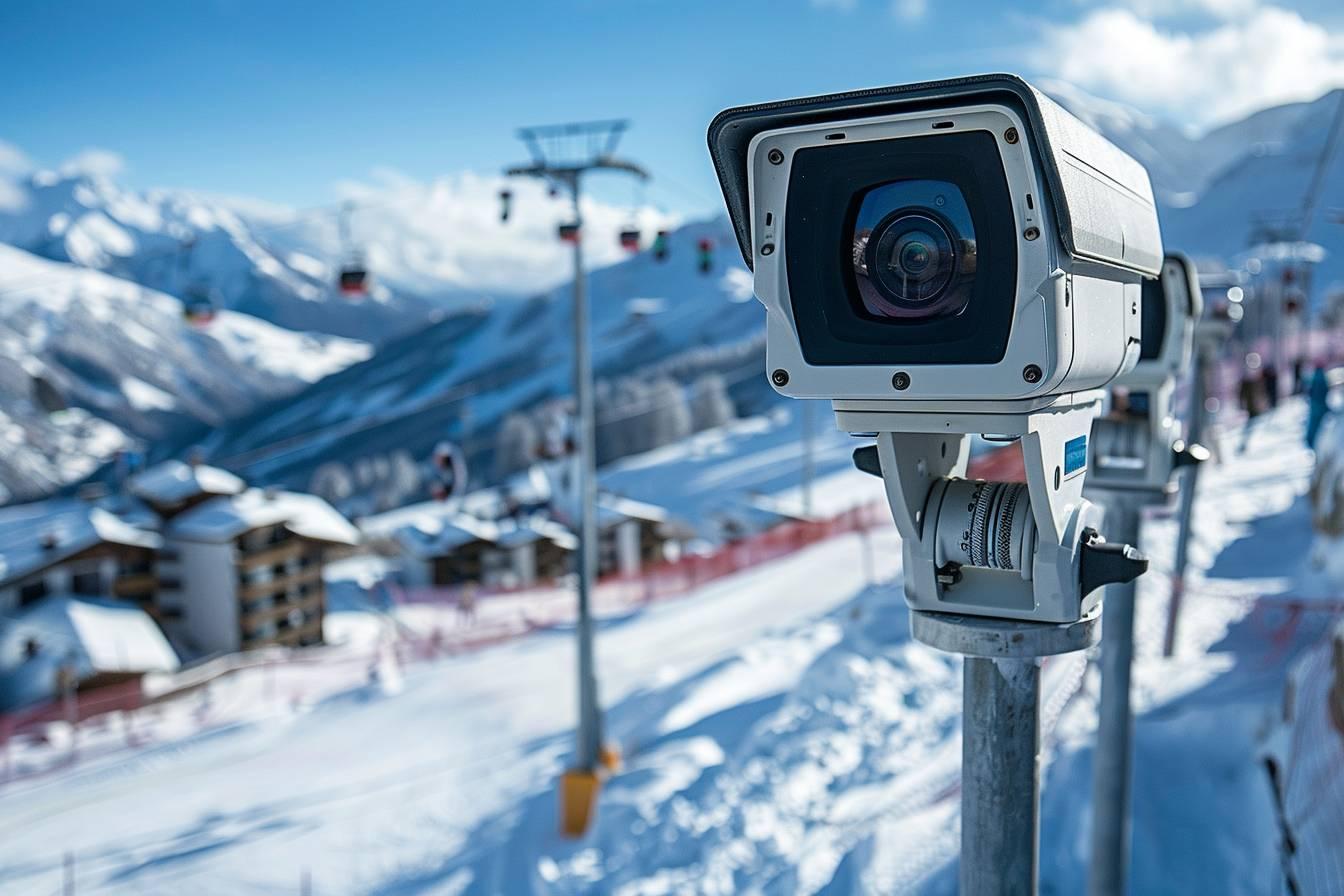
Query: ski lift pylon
pixel 505 205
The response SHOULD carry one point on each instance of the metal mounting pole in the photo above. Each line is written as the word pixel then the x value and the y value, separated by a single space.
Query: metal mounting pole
pixel 1189 487
pixel 1115 727
pixel 1001 736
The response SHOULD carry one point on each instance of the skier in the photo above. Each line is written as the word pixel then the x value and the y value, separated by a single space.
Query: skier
pixel 466 605
pixel 1252 396
pixel 1318 394
pixel 1271 383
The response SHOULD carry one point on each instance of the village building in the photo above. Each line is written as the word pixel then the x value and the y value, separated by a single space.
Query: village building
pixel 62 643
pixel 68 546
pixel 173 487
pixel 249 569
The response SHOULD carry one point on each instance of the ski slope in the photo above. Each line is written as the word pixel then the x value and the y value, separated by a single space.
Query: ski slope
pixel 782 735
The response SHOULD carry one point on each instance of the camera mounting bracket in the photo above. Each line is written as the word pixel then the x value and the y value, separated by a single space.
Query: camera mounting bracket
pixel 968 546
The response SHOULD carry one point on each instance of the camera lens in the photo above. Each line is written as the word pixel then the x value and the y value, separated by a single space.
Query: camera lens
pixel 912 259
pixel 914 262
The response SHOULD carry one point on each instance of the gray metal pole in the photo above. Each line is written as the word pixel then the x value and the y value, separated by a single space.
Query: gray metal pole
pixel 1115 728
pixel 1000 779
pixel 590 714
pixel 1001 738
pixel 1189 486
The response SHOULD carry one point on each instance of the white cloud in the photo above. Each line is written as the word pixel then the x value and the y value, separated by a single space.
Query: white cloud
pixel 448 230
pixel 1169 9
pixel 1270 56
pixel 13 160
pixel 910 10
pixel 93 161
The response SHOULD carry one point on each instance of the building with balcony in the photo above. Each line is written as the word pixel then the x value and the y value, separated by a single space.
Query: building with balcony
pixel 249 569
pixel 72 547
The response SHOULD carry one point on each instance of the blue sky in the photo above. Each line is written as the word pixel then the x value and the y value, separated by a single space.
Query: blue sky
pixel 281 101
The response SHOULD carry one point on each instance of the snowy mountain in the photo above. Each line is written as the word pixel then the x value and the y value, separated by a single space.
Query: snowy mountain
pixel 89 360
pixel 429 247
pixel 1215 188
pixel 458 377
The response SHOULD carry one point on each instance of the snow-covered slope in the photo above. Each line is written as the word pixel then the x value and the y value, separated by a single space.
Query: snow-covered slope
pixel 123 355
pixel 781 734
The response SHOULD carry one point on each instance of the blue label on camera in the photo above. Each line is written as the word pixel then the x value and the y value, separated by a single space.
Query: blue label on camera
pixel 1075 455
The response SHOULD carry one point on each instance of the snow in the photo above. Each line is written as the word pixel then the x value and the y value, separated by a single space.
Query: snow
pixel 144 397
pixel 173 482
pixel 95 636
pixel 70 525
pixel 125 362
pixel 781 733
pixel 228 516
pixel 253 343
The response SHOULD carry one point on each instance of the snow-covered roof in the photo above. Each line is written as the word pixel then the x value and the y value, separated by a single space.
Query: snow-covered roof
pixel 435 528
pixel 613 509
pixel 527 531
pixel 96 636
pixel 228 516
pixel 439 535
pixel 35 536
pixel 173 482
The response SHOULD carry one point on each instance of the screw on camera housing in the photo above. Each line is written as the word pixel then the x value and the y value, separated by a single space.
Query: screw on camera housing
pixel 1010 135
pixel 780 377
pixel 1031 233
pixel 768 249
pixel 900 380
pixel 1031 373
pixel 775 156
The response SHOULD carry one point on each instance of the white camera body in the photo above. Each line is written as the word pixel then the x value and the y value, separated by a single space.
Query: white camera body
pixel 942 259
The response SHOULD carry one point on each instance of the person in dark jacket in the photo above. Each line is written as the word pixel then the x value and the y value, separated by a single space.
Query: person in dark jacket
pixel 1251 395
pixel 1318 403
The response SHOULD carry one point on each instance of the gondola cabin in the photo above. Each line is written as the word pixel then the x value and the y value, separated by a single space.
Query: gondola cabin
pixel 705 251
pixel 630 240
pixel 198 309
pixel 660 246
pixel 568 233
pixel 505 205
pixel 353 281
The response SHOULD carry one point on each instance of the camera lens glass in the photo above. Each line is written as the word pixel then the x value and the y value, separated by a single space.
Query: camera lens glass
pixel 913 250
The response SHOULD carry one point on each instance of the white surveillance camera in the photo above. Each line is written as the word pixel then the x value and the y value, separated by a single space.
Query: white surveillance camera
pixel 1136 445
pixel 962 240
pixel 1172 306
pixel 942 259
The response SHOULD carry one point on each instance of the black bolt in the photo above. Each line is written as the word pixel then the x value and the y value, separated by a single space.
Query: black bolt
pixel 1010 135
pixel 776 157
pixel 901 380
pixel 780 377
pixel 1031 373
pixel 1031 233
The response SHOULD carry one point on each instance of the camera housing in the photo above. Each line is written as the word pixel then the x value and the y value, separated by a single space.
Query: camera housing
pixel 949 241
pixel 1136 444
